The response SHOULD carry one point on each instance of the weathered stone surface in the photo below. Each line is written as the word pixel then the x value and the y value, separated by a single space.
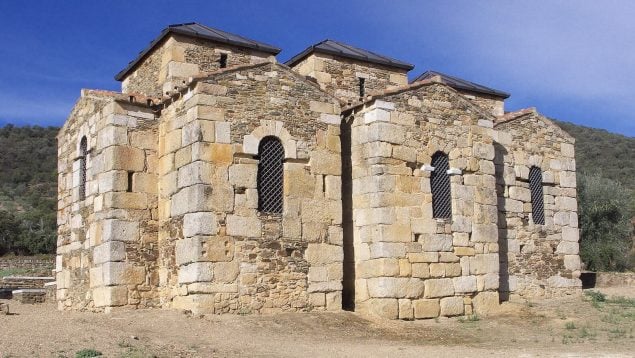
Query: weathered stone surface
pixel 438 288
pixel 243 226
pixel 451 306
pixel 426 308
pixel 199 224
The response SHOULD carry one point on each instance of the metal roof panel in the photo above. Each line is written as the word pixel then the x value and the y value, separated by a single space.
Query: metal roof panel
pixel 336 48
pixel 460 83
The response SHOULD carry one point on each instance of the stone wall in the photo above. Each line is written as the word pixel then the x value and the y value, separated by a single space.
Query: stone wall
pixel 408 264
pixel 492 104
pixel 540 260
pixel 170 64
pixel 340 76
pixel 106 249
pixel 217 252
pixel 31 264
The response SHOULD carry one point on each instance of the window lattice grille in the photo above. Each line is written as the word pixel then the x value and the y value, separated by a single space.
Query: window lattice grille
pixel 270 175
pixel 83 150
pixel 440 186
pixel 535 186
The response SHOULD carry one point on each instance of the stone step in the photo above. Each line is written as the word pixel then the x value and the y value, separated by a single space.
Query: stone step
pixel 32 295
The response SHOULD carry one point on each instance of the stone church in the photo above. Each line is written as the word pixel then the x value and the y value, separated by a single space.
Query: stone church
pixel 221 181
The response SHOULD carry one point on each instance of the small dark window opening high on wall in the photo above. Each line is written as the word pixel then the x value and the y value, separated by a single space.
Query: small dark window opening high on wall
pixel 223 60
pixel 537 204
pixel 440 186
pixel 270 175
pixel 362 87
pixel 83 152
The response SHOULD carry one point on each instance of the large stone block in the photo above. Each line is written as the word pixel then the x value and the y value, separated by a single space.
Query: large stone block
pixel 110 296
pixel 570 234
pixel 485 233
pixel 197 172
pixel 120 230
pixel 452 306
pixel 203 223
pixel 243 226
pixel 378 267
pixel 125 200
pixel 398 287
pixel 243 175
pixel 439 288
pixel 192 199
pixel 387 249
pixel 196 272
pixel 323 254
pixel 436 242
pixel 387 308
pixel 122 273
pixel 483 264
pixel 109 251
pixel 464 284
pixel 123 158
pixel 485 303
pixel 112 135
pixel 426 308
pixel 568 248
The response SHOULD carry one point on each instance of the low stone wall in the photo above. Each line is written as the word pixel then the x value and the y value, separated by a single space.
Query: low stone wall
pixel 30 296
pixel 27 263
pixel 610 279
pixel 24 282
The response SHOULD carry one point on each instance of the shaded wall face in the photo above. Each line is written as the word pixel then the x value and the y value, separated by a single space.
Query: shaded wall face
pixel 219 253
pixel 409 264
pixel 107 240
pixel 539 260
pixel 491 104
pixel 178 58
pixel 340 76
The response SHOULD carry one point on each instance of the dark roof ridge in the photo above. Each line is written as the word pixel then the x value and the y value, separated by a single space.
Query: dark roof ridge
pixel 462 84
pixel 338 48
pixel 196 30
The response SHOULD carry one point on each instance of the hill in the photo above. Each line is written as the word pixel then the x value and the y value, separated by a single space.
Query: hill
pixel 28 189
pixel 607 154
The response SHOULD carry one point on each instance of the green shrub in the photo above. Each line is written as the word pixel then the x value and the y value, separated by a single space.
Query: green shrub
pixel 605 223
pixel 87 353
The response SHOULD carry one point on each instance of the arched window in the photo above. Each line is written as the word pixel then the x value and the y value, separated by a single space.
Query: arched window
pixel 535 186
pixel 83 151
pixel 270 175
pixel 440 186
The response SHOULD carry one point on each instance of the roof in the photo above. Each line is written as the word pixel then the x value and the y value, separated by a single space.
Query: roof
pixel 461 84
pixel 193 29
pixel 336 48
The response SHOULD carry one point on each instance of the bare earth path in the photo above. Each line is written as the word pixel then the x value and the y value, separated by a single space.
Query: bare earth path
pixel 571 327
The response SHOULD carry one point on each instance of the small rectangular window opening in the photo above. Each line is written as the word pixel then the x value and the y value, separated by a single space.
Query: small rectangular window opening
pixel 223 60
pixel 362 89
pixel 130 174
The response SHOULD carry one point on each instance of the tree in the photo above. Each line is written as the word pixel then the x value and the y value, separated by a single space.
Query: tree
pixel 9 231
pixel 605 223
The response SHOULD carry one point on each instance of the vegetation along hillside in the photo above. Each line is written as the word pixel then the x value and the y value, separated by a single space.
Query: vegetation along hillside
pixel 28 189
pixel 605 162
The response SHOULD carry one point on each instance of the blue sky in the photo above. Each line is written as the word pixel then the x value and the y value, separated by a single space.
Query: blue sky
pixel 573 60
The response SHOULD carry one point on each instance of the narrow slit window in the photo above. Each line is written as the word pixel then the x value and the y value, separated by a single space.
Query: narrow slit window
pixel 130 176
pixel 83 152
pixel 440 186
pixel 223 60
pixel 362 87
pixel 270 175
pixel 537 204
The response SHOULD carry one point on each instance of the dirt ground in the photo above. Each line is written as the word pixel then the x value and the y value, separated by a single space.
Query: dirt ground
pixel 571 327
